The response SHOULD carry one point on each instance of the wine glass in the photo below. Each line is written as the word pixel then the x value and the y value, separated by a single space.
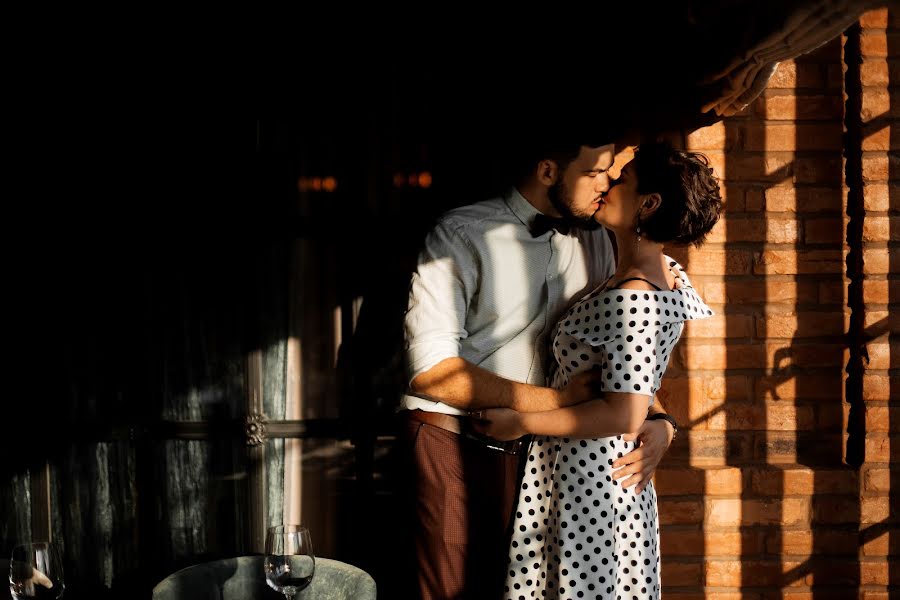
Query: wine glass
pixel 290 562
pixel 36 571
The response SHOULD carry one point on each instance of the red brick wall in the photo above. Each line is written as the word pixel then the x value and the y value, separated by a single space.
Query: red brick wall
pixel 763 495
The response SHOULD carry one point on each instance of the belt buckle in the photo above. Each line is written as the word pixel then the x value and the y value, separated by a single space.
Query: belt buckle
pixel 510 447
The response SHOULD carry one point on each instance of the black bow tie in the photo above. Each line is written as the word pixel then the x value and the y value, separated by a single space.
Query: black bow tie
pixel 542 224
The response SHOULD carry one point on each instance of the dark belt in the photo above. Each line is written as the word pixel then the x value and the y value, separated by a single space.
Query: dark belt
pixel 462 426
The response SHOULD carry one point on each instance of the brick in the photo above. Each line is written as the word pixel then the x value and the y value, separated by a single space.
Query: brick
pixel 877 138
pixel 718 163
pixel 790 137
pixel 876 104
pixel 876 261
pixel 709 412
pixel 836 481
pixel 876 229
pixel 877 480
pixel 879 356
pixel 874 572
pixel 776 231
pixel 879 545
pixel 696 401
pixel 875 595
pixel 723 481
pixel 834 76
pixel 768 416
pixel 824 231
pixel 879 448
pixel 785 76
pixel 755 201
pixel 832 417
pixel 819 169
pixel 789 75
pixel 778 482
pixel 837 572
pixel 874 19
pixel 784 262
pixel 709 261
pixel 876 291
pixel 803 324
pixel 679 481
pixel 800 386
pixel 772 167
pixel 873 44
pixel 878 387
pixel 786 542
pixel 720 326
pixel 878 166
pixel 717 234
pixel 879 323
pixel 680 512
pixel 877 196
pixel 732 387
pixel 810 107
pixel 733 512
pixel 727 573
pixel 802 542
pixel 682 542
pixel 808 355
pixel 681 396
pixel 732 198
pixel 717 357
pixel 876 510
pixel 781 447
pixel 720 136
pixel 803 199
pixel 833 292
pixel 717 595
pixel 708 449
pixel 760 291
pixel 834 510
pixel 880 418
pixel 681 573
pixel 780 231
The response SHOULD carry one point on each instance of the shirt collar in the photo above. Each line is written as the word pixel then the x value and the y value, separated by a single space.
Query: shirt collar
pixel 521 207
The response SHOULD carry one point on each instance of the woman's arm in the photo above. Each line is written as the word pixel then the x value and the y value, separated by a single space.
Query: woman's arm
pixel 614 414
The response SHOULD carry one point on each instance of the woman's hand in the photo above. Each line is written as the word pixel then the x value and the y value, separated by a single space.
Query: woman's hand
pixel 499 423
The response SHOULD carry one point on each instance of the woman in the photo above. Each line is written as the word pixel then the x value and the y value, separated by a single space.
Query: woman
pixel 577 533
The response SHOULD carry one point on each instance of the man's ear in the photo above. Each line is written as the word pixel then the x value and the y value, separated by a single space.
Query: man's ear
pixel 547 172
pixel 649 204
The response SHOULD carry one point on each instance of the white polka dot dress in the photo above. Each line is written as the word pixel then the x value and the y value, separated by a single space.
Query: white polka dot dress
pixel 577 533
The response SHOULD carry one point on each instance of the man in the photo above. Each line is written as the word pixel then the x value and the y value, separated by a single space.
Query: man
pixel 491 283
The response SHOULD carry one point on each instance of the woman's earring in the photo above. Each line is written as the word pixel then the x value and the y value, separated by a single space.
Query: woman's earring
pixel 638 234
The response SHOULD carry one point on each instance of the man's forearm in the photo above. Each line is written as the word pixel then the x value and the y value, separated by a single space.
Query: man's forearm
pixel 461 384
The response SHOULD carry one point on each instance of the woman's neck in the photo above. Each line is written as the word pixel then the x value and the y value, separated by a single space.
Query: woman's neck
pixel 644 259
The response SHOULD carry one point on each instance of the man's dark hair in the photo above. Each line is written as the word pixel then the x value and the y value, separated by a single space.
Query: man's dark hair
pixel 559 141
pixel 691 202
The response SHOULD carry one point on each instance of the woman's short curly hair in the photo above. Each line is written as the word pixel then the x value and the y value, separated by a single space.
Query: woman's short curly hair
pixel 691 203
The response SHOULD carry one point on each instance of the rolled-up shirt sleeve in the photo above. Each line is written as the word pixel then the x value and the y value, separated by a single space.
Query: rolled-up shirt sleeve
pixel 444 283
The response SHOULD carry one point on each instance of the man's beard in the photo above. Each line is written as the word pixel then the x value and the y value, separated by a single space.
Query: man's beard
pixel 558 194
